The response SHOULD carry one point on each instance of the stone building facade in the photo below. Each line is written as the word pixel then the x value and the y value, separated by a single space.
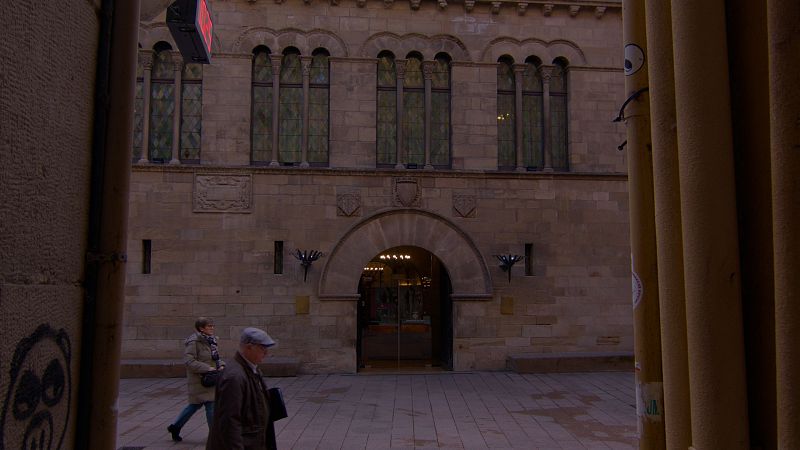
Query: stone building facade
pixel 445 135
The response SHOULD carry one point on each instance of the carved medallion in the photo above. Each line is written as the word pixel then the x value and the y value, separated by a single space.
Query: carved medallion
pixel 348 204
pixel 464 205
pixel 223 193
pixel 406 192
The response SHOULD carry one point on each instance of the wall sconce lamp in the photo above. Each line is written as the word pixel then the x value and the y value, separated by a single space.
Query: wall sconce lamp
pixel 306 258
pixel 507 262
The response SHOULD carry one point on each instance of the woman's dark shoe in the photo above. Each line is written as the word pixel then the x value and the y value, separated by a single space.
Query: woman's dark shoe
pixel 175 432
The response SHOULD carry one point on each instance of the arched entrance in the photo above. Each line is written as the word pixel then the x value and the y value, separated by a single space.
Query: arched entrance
pixel 405 312
pixel 458 258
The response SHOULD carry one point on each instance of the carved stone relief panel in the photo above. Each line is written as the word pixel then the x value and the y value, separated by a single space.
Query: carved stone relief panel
pixel 348 204
pixel 223 193
pixel 464 205
pixel 406 192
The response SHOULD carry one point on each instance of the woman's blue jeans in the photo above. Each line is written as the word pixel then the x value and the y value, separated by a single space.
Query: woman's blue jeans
pixel 189 411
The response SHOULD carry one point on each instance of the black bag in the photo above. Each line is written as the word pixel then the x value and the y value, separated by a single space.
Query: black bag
pixel 277 408
pixel 210 378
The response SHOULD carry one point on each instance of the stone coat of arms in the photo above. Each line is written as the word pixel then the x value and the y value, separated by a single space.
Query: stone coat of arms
pixel 406 192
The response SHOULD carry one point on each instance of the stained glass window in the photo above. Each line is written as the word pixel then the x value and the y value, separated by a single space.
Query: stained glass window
pixel 506 152
pixel 532 117
pixel 559 117
pixel 162 105
pixel 414 111
pixel 138 114
pixel 318 106
pixel 290 112
pixel 440 112
pixel 387 110
pixel 191 112
pixel 261 139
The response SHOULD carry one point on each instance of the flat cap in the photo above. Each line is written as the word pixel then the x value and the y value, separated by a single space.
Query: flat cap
pixel 252 335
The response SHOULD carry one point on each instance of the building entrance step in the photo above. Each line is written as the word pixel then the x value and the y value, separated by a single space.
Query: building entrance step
pixel 570 362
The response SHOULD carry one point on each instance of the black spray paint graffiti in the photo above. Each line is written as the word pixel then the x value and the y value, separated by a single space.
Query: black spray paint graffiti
pixel 36 408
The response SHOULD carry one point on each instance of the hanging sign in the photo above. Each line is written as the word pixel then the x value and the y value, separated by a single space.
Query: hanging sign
pixel 189 22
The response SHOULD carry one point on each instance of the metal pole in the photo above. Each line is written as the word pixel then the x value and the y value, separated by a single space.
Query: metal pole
pixel 672 302
pixel 708 217
pixel 783 17
pixel 644 267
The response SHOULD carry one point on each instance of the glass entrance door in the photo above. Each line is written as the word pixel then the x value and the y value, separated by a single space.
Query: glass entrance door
pixel 399 312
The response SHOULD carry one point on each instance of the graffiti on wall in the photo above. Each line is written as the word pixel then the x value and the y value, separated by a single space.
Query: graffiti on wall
pixel 37 404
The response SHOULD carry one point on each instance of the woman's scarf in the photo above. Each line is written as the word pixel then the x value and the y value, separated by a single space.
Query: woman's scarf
pixel 212 342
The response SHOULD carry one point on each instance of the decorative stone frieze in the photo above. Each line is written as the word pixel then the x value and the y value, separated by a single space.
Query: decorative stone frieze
pixel 406 192
pixel 547 9
pixel 496 7
pixel 388 3
pixel 573 10
pixel 442 4
pixel 464 205
pixel 361 3
pixel 223 193
pixel 348 204
pixel 521 7
pixel 415 4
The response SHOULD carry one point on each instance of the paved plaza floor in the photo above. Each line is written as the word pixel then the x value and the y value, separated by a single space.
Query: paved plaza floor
pixel 439 410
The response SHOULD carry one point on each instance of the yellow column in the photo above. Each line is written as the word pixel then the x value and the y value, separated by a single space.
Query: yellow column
pixel 672 303
pixel 647 333
pixel 708 216
pixel 783 17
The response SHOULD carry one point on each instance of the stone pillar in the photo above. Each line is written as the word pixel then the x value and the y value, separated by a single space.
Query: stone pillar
pixel 784 65
pixel 710 232
pixel 519 70
pixel 427 73
pixel 644 266
pixel 547 146
pixel 276 105
pixel 401 76
pixel 177 67
pixel 672 302
pixel 147 64
pixel 305 62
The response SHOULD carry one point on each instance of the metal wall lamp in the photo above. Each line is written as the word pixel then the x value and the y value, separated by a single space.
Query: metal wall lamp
pixel 507 262
pixel 306 258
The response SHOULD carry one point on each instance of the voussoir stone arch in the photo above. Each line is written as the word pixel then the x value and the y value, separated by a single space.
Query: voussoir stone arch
pixel 466 267
pixel 278 40
pixel 547 52
pixel 400 46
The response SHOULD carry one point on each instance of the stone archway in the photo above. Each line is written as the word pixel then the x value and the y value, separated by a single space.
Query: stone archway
pixel 466 267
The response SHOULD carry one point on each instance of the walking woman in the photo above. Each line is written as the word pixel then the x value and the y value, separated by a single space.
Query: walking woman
pixel 200 356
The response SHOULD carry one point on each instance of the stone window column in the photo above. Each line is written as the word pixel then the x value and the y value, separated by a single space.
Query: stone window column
pixel 400 64
pixel 177 67
pixel 305 62
pixel 547 73
pixel 519 70
pixel 147 65
pixel 276 89
pixel 427 73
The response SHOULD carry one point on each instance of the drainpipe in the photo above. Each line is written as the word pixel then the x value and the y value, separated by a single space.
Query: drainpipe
pixel 708 217
pixel 101 340
pixel 784 46
pixel 672 303
pixel 644 267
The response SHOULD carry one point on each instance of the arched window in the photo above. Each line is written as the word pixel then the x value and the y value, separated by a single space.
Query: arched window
pixel 162 104
pixel 138 113
pixel 318 107
pixel 290 113
pixel 387 110
pixel 440 111
pixel 414 111
pixel 506 117
pixel 559 118
pixel 532 115
pixel 191 112
pixel 261 119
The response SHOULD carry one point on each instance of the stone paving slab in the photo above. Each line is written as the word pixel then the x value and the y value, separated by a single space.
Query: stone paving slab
pixel 477 410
